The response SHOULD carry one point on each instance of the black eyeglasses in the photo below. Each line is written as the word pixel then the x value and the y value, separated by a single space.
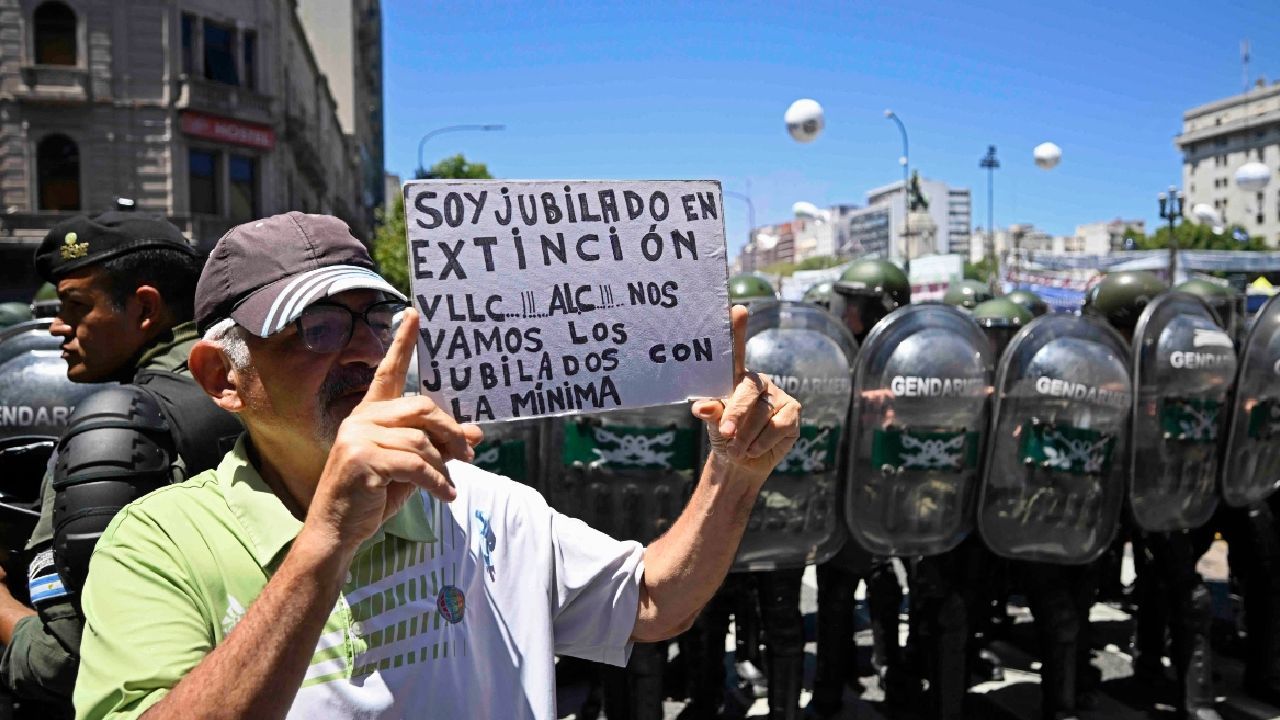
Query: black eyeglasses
pixel 326 327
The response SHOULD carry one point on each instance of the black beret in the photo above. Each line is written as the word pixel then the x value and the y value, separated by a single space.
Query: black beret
pixel 83 241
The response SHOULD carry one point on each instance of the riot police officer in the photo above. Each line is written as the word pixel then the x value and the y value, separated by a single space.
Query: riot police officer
pixel 1250 528
pixel 1060 595
pixel 820 294
pixel 1030 301
pixel 1053 485
pixel 45 302
pixel 1173 602
pixel 865 293
pixel 126 285
pixel 762 602
pixel 967 294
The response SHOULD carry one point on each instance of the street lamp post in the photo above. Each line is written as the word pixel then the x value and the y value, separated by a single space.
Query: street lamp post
pixel 751 212
pixel 990 163
pixel 422 169
pixel 906 196
pixel 1171 209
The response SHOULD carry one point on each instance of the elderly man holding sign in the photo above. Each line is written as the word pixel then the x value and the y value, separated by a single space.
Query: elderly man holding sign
pixel 345 560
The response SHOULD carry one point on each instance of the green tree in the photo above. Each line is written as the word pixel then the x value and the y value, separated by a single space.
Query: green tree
pixel 456 167
pixel 1194 236
pixel 389 246
pixel 982 271
pixel 819 262
pixel 390 250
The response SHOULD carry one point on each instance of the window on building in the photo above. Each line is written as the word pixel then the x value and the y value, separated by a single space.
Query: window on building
pixel 55 34
pixel 203 181
pixel 58 173
pixel 250 47
pixel 188 43
pixel 243 197
pixel 219 54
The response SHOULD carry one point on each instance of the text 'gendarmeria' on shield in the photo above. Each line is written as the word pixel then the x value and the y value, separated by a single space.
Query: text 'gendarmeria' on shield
pixel 562 296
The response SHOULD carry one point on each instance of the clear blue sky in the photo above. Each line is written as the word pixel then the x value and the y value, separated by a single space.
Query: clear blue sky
pixel 697 90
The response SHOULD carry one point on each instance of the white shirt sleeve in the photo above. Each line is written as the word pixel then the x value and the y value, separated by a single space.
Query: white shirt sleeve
pixel 595 591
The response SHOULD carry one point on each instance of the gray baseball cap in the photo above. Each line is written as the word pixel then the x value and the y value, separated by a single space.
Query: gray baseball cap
pixel 262 274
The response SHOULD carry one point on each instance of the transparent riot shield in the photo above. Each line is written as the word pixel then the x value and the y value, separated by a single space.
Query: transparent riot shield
pixel 36 398
pixel 627 473
pixel 513 449
pixel 807 353
pixel 1054 467
pixel 1183 368
pixel 1251 463
pixel 920 408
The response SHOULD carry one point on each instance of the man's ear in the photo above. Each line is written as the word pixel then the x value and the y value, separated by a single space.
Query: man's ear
pixel 213 371
pixel 151 308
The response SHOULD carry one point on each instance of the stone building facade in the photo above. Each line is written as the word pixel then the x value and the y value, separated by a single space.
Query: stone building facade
pixel 209 112
pixel 1217 139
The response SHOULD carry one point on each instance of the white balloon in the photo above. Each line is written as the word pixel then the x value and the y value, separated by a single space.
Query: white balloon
pixel 1205 214
pixel 1047 155
pixel 804 120
pixel 1253 176
pixel 805 209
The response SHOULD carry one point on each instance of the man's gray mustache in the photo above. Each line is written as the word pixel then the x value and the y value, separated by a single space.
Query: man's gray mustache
pixel 342 381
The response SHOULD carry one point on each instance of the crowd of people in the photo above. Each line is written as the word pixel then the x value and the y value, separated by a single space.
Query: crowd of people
pixel 246 515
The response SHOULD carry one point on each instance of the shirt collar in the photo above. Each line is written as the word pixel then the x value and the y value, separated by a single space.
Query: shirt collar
pixel 169 350
pixel 270 527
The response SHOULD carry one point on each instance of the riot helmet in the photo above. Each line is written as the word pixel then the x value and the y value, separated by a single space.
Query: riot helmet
pixel 1029 300
pixel 1120 297
pixel 12 313
pixel 819 294
pixel 867 291
pixel 1001 319
pixel 45 303
pixel 748 288
pixel 967 294
pixel 1219 297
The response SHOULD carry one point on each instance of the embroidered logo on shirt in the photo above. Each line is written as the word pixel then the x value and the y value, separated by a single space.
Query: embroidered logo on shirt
pixel 235 611
pixel 488 542
pixel 451 603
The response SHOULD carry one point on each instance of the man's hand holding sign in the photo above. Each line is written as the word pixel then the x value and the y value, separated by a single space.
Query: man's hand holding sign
pixel 750 431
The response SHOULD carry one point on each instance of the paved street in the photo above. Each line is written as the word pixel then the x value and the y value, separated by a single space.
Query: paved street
pixel 1018 695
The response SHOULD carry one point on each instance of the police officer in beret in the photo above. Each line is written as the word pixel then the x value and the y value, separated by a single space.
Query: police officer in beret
pixel 126 283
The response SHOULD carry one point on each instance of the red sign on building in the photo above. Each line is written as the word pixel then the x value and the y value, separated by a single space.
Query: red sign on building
pixel 227 130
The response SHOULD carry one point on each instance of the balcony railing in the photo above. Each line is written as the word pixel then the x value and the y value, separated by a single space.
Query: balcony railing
pixel 197 93
pixel 55 82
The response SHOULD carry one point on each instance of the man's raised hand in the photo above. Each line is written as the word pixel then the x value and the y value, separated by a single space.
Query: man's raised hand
pixel 388 446
pixel 757 424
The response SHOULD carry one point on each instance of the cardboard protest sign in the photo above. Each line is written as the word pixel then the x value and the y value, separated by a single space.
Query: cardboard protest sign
pixel 554 297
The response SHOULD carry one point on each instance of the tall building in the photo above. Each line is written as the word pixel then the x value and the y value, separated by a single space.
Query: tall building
pixel 346 38
pixel 211 112
pixel 768 245
pixel 950 210
pixel 866 232
pixel 1101 238
pixel 1216 139
pixel 814 237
